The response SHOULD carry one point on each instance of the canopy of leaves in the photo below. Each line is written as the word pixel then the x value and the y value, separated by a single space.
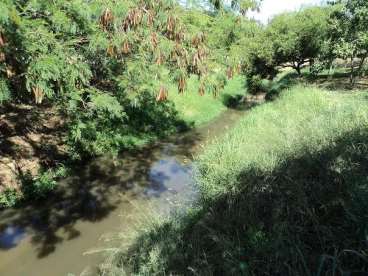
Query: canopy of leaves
pixel 96 58
pixel 348 28
pixel 298 36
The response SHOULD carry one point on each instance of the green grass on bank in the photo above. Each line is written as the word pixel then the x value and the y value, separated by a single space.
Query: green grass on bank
pixel 197 109
pixel 284 193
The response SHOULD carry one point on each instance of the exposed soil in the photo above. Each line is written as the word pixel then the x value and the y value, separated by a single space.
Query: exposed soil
pixel 31 138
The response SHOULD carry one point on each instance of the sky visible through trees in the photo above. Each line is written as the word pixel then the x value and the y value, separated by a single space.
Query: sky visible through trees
pixel 270 8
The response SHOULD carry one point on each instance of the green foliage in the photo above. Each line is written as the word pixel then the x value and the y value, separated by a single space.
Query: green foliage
pixel 33 188
pixel 297 37
pixel 4 92
pixel 289 193
pixel 348 36
pixel 98 62
pixel 254 84
pixel 40 186
pixel 198 110
pixel 241 6
pixel 9 198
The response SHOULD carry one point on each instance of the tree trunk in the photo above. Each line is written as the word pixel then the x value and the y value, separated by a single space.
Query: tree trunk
pixel 330 70
pixel 298 69
pixel 362 60
pixel 352 71
pixel 311 63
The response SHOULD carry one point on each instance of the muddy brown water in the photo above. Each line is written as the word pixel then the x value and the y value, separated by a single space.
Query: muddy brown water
pixel 66 232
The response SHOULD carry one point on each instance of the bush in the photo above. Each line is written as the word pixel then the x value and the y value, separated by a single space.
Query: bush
pixel 9 198
pixel 38 187
pixel 254 84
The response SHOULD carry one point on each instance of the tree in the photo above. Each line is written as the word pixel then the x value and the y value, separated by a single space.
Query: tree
pixel 97 60
pixel 348 35
pixel 297 37
pixel 241 6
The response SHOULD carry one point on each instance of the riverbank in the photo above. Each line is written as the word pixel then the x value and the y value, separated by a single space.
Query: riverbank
pixel 283 192
pixel 34 148
pixel 105 197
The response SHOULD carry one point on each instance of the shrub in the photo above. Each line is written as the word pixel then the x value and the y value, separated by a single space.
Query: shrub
pixel 37 187
pixel 9 198
pixel 254 84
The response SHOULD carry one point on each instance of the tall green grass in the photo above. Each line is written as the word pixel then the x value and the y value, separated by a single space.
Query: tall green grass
pixel 283 193
pixel 197 109
pixel 304 120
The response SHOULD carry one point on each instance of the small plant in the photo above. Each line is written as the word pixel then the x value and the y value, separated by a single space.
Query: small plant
pixel 254 84
pixel 9 198
pixel 41 185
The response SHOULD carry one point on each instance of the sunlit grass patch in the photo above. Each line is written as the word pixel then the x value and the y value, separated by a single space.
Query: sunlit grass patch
pixel 201 109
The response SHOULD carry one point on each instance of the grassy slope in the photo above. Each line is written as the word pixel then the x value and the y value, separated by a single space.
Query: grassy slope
pixel 285 193
pixel 303 120
pixel 199 110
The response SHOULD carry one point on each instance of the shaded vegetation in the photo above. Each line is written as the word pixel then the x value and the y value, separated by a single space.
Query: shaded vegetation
pixel 283 193
pixel 107 68
pixel 286 199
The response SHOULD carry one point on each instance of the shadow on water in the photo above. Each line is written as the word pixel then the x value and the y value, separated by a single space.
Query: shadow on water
pixel 307 214
pixel 99 188
pixel 92 193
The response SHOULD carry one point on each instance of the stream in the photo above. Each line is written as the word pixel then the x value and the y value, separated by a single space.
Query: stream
pixel 67 232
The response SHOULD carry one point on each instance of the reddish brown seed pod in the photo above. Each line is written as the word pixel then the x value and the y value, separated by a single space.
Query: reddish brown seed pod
pixel 106 19
pixel 201 89
pixel 154 40
pixel 2 40
pixel 162 94
pixel 126 48
pixel 238 68
pixel 2 57
pixel 179 36
pixel 38 94
pixel 229 72
pixel 170 25
pixel 198 39
pixel 133 19
pixel 150 18
pixel 182 85
pixel 160 59
pixel 110 50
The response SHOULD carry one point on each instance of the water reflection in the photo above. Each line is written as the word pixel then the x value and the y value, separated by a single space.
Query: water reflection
pixel 11 236
pixel 61 228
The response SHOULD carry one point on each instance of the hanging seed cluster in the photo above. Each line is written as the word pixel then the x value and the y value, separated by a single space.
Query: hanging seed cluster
pixel 182 84
pixel 201 89
pixel 154 40
pixel 106 19
pixel 2 45
pixel 38 94
pixel 133 19
pixel 162 94
pixel 126 48
pixel 179 55
pixel 8 69
pixel 157 17
pixel 230 72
